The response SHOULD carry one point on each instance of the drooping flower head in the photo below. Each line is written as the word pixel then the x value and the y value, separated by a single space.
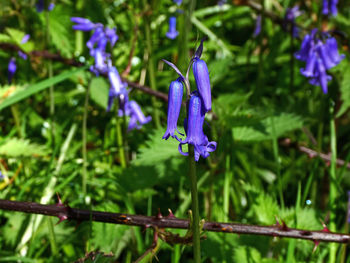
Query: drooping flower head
pixel 320 52
pixel 222 2
pixel 172 33
pixel 330 7
pixel 201 75
pixel 178 2
pixel 137 118
pixel 174 106
pixel 12 67
pixel 40 6
pixel 289 20
pixel 116 86
pixel 257 29
pixel 194 129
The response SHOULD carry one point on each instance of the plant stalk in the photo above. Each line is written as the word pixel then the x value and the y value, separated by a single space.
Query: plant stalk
pixel 333 183
pixel 84 128
pixel 195 208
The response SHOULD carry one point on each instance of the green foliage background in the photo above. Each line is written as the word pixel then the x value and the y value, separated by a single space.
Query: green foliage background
pixel 255 112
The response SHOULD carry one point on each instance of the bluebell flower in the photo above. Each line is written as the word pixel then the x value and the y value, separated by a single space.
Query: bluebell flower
pixel 174 106
pixel 1 176
pixel 222 2
pixel 178 2
pixel 111 35
pixel 82 24
pixel 116 86
pixel 12 67
pixel 137 118
pixel 172 33
pixel 40 5
pixel 201 75
pixel 194 129
pixel 25 39
pixel 289 20
pixel 330 7
pixel 320 52
pixel 257 29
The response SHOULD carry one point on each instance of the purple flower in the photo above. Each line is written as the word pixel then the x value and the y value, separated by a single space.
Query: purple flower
pixel 40 5
pixel 174 106
pixel 320 52
pixel 172 33
pixel 330 7
pixel 257 29
pixel 178 2
pixel 222 2
pixel 194 129
pixel 116 86
pixel 12 67
pixel 201 75
pixel 111 35
pixel 289 20
pixel 82 24
pixel 1 176
pixel 25 39
pixel 137 118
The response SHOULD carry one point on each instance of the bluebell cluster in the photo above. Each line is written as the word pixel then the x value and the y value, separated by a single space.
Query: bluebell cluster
pixel 320 52
pixel 97 45
pixel 199 104
pixel 330 7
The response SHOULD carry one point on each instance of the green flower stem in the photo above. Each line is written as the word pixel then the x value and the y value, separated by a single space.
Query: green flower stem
pixel 120 143
pixel 51 90
pixel 333 184
pixel 195 209
pixel 291 57
pixel 16 116
pixel 86 105
pixel 150 65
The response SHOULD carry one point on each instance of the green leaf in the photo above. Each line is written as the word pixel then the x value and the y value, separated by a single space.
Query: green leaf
pixel 60 27
pixel 37 87
pixel 15 147
pixel 267 128
pixel 99 91
pixel 265 209
pixel 345 90
pixel 15 34
pixel 244 254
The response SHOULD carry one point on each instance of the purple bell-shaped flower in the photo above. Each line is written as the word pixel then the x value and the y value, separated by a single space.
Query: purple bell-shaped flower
pixel 137 118
pixel 82 24
pixel 12 67
pixel 330 7
pixel 194 129
pixel 174 106
pixel 172 33
pixel 201 75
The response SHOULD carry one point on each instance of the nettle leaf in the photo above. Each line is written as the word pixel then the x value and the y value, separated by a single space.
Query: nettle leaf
pixel 15 147
pixel 345 90
pixel 245 254
pixel 99 91
pixel 265 209
pixel 60 31
pixel 268 128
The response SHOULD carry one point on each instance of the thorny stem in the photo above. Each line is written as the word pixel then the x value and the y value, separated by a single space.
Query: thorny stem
pixel 164 222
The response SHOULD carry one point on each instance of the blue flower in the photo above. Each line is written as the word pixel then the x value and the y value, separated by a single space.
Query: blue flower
pixel 178 2
pixel 201 75
pixel 116 86
pixel 40 5
pixel 12 67
pixel 172 33
pixel 330 7
pixel 82 24
pixel 194 129
pixel 257 29
pixel 320 52
pixel 137 118
pixel 174 106
pixel 289 20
